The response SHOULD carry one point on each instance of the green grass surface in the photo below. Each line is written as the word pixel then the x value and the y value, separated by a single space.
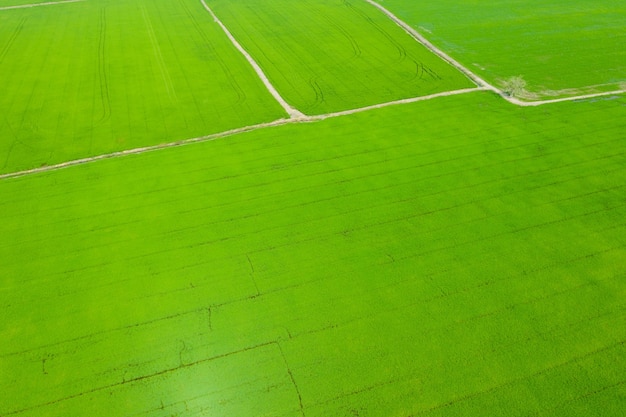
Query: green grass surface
pixel 554 44
pixel 87 78
pixel 389 263
pixel 331 55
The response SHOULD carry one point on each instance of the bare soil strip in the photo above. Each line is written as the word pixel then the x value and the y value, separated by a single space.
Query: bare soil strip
pixel 397 102
pixel 28 6
pixel 279 122
pixel 515 101
pixel 215 136
pixel 475 78
pixel 293 113
pixel 145 149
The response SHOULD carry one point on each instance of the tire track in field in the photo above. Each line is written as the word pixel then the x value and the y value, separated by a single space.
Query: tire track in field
pixel 7 46
pixel 291 111
pixel 474 77
pixel 356 49
pixel 420 39
pixel 240 92
pixel 102 69
pixel 319 92
pixel 368 19
pixel 165 75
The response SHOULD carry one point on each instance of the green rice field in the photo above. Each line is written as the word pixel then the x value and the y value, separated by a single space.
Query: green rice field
pixel 330 55
pixel 560 47
pixel 443 256
pixel 86 78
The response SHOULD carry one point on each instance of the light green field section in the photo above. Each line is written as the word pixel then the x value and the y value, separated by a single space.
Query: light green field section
pixel 330 55
pixel 560 47
pixel 88 78
pixel 389 263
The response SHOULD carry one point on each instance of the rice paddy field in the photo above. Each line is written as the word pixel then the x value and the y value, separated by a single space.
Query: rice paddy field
pixel 174 243
pixel 560 47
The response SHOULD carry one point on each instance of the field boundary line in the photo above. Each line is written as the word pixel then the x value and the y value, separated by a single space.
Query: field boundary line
pixel 48 3
pixel 220 135
pixel 291 111
pixel 145 149
pixel 279 122
pixel 398 102
pixel 562 99
pixel 471 75
pixel 431 47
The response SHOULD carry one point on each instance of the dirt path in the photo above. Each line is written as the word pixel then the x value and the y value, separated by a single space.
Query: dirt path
pixel 418 37
pixel 291 111
pixel 145 149
pixel 279 122
pixel 27 6
pixel 397 102
pixel 215 136
pixel 471 75
pixel 295 115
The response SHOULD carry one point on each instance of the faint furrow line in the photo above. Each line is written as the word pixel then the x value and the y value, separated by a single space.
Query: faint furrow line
pixel 468 289
pixel 365 226
pixel 102 69
pixel 104 332
pixel 50 3
pixel 241 94
pixel 566 327
pixel 402 201
pixel 293 380
pixel 513 381
pixel 419 254
pixel 7 46
pixel 141 378
pixel 580 397
pixel 165 75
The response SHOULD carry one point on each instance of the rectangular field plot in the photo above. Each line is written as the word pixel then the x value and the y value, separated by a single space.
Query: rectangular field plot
pixel 386 263
pixel 86 78
pixel 560 47
pixel 330 55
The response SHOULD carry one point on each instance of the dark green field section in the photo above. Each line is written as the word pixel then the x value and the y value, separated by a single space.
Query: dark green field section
pixel 561 47
pixel 388 263
pixel 330 55
pixel 82 79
